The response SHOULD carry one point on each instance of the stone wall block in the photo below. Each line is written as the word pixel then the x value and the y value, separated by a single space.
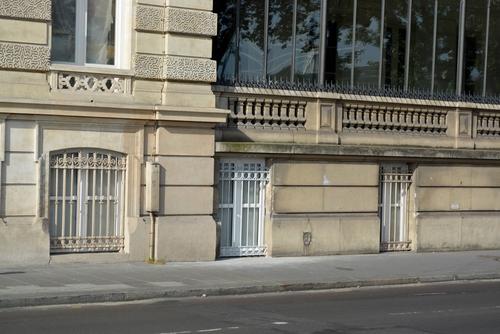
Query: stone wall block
pixel 24 57
pixel 149 67
pixel 27 9
pixel 149 18
pixel 191 22
pixel 190 69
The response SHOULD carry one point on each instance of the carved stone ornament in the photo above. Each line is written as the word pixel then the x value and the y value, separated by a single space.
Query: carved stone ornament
pixel 24 57
pixel 150 18
pixel 26 9
pixel 149 67
pixel 188 21
pixel 190 69
pixel 175 68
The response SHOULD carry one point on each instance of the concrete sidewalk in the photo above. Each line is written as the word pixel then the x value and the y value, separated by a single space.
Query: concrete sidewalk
pixel 85 283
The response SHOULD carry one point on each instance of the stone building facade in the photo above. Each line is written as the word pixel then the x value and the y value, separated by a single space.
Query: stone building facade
pixel 91 92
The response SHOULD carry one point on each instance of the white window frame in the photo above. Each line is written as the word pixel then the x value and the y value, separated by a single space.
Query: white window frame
pixel 123 36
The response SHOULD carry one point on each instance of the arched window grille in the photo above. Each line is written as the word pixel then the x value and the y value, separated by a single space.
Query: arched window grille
pixel 86 196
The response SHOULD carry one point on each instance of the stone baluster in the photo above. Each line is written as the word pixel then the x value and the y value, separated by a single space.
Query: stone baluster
pixel 292 114
pixel 233 116
pixel 249 113
pixel 301 115
pixel 275 113
pixel 258 111
pixel 284 118
pixel 240 112
pixel 267 113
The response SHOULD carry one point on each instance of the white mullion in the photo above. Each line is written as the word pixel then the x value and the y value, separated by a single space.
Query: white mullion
pixel 108 218
pixel 56 202
pixel 247 232
pixel 63 209
pixel 261 212
pixel 81 32
pixel 79 208
pixel 101 195
pixel 119 199
pixel 71 204
pixel 115 197
pixel 118 32
pixel 237 213
pixel 94 176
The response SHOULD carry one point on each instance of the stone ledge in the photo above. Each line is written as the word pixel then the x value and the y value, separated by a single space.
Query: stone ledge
pixel 24 57
pixel 357 151
pixel 27 9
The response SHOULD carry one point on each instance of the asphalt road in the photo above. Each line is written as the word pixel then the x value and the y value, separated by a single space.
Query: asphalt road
pixel 444 308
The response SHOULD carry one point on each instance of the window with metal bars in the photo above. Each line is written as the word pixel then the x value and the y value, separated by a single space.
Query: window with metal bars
pixel 241 207
pixel 86 201
pixel 395 181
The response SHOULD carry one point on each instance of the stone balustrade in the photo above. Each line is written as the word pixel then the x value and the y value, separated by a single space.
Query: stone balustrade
pixel 359 117
pixel 488 124
pixel 267 113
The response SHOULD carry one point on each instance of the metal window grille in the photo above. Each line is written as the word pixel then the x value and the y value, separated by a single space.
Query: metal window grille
pixel 395 183
pixel 241 207
pixel 86 201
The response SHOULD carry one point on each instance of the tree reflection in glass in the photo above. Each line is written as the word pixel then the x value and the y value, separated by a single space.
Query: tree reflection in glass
pixel 421 45
pixel 474 46
pixel 339 33
pixel 251 46
pixel 445 76
pixel 224 48
pixel 367 47
pixel 395 23
pixel 307 40
pixel 493 75
pixel 280 44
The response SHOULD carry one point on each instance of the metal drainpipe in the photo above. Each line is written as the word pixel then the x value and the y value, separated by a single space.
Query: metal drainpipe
pixel 152 232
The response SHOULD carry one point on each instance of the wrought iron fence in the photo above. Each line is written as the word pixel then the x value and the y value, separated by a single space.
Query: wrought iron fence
pixel 367 90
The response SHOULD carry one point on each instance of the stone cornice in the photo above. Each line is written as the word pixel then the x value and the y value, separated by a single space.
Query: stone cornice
pixel 131 111
pixel 24 57
pixel 361 151
pixel 27 9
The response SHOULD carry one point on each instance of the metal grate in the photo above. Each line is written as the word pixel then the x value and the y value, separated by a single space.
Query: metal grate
pixel 395 182
pixel 241 207
pixel 86 201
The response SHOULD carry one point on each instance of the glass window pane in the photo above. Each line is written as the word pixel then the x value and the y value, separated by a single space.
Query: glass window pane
pixel 307 40
pixel 367 44
pixel 447 45
pixel 338 55
pixel 63 30
pixel 280 48
pixel 251 52
pixel 224 51
pixel 421 45
pixel 493 75
pixel 474 46
pixel 101 32
pixel 396 20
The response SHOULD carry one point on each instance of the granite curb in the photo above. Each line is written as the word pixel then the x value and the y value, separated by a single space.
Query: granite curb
pixel 141 294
